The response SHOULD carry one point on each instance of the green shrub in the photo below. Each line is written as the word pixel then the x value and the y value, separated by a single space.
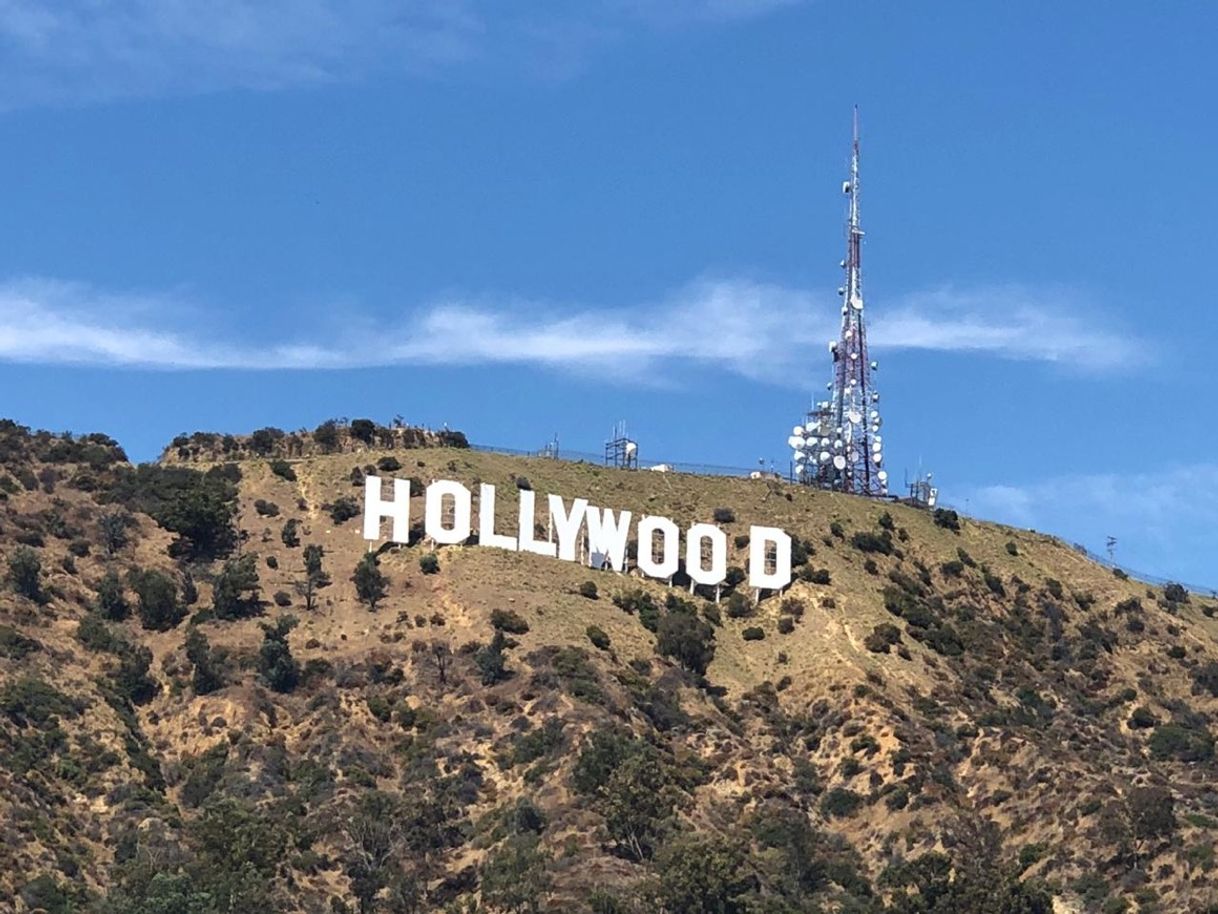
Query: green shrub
pixel 948 519
pixel 1012 549
pixel 952 569
pixel 235 593
pixel 819 576
pixel 687 639
pixel 724 515
pixel 753 633
pixel 840 803
pixel 275 661
pixel 290 534
pixel 1175 593
pixel 588 589
pixel 266 508
pixel 388 464
pixel 510 621
pixel 111 599
pixel 283 470
pixel 429 563
pixel 1181 741
pixel 866 541
pixel 786 625
pixel 882 637
pixel 739 607
pixel 598 637
pixel 343 509
pixel 1142 718
pixel 15 645
pixel 25 574
pixel 157 597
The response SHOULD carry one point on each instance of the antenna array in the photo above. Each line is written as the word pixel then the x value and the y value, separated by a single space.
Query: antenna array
pixel 839 445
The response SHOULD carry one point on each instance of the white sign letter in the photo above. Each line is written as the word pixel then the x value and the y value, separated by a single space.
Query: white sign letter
pixel 566 526
pixel 376 508
pixel 717 571
pixel 434 517
pixel 528 519
pixel 486 522
pixel 759 539
pixel 670 547
pixel 607 535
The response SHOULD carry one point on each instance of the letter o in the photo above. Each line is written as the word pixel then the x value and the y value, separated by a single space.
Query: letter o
pixel 693 554
pixel 434 512
pixel 670 548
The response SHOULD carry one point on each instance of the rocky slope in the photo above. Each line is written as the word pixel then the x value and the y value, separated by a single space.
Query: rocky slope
pixel 938 715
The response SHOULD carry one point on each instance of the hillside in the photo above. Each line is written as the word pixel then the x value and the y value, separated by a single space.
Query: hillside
pixel 939 715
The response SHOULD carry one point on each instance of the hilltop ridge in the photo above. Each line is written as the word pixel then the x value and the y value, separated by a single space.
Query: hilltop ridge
pixel 937 715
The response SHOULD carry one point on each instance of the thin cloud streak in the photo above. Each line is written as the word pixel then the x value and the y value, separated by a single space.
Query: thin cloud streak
pixel 79 51
pixel 761 331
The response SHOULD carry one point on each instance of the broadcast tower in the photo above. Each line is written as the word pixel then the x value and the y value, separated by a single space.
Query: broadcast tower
pixel 839 446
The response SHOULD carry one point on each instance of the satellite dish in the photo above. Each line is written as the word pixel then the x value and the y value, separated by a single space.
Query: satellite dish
pixel 797 430
pixel 631 447
pixel 875 366
pixel 876 446
pixel 839 462
pixel 855 355
pixel 795 441
pixel 811 426
pixel 824 456
pixel 877 457
pixel 856 302
pixel 854 416
pixel 842 264
pixel 875 397
pixel 841 290
pixel 883 475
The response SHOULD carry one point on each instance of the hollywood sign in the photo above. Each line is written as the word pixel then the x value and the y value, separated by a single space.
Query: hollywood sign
pixel 448 520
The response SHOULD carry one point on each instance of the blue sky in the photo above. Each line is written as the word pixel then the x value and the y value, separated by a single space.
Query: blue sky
pixel 540 217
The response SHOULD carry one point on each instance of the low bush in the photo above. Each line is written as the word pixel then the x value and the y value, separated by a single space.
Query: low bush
pixel 753 633
pixel 948 519
pixel 598 637
pixel 283 470
pixel 508 620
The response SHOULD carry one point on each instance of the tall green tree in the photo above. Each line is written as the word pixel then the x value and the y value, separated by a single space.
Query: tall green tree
pixel 235 594
pixel 275 661
pixel 371 584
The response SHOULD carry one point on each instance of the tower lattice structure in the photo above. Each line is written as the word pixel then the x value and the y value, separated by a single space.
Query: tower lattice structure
pixel 839 446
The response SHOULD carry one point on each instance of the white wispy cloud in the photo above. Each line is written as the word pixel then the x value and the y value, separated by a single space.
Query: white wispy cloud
pixel 1163 521
pixel 82 50
pixel 757 330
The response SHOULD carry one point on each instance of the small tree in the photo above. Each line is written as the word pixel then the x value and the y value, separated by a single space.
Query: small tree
pixel 514 876
pixel 491 661
pixel 25 573
pixel 290 535
pixel 111 600
pixel 235 594
pixel 315 578
pixel 275 661
pixel 113 528
pixel 157 594
pixel 429 563
pixel 687 639
pixel 371 584
pixel 207 677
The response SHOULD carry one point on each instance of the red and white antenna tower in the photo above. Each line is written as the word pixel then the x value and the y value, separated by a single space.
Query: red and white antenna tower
pixel 839 446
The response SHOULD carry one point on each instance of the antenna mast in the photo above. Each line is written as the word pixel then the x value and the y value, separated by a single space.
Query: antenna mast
pixel 839 446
